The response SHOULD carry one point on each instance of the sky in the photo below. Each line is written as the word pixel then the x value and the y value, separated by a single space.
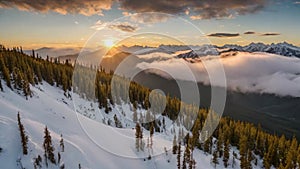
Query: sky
pixel 61 23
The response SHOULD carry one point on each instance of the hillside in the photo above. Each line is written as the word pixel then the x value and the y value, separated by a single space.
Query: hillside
pixel 49 107
pixel 102 132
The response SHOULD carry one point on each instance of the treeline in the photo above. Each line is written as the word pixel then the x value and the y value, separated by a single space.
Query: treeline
pixel 253 144
pixel 95 84
pixel 19 70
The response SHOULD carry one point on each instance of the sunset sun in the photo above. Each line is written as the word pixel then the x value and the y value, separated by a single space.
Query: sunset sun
pixel 108 43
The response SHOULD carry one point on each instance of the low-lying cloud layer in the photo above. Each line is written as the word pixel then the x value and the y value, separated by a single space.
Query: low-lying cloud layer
pixel 245 72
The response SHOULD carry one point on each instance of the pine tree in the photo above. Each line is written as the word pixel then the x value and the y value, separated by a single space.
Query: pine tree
pixel 24 138
pixel 183 163
pixel 48 147
pixel 137 136
pixel 61 143
pixel 26 89
pixel 195 132
pixel 37 162
pixel 58 157
pixel 142 144
pixel 135 117
pixel 1 88
pixel 179 155
pixel 164 123
pixel 267 159
pixel 118 124
pixel 226 154
pixel 245 164
pixel 33 53
pixel 233 159
pixel 291 156
pixel 220 144
pixel 215 158
pixel 186 155
pixel 207 145
pixel 174 149
pixel 151 133
pixel 5 72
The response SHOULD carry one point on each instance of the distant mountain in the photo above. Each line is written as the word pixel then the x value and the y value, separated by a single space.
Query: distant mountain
pixel 54 52
pixel 203 50
pixel 284 49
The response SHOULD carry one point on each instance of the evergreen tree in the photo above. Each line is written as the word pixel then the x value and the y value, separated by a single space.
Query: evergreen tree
pixel 186 155
pixel 135 117
pixel 179 155
pixel 207 145
pixel 226 153
pixel 142 144
pixel 48 147
pixel 1 87
pixel 174 149
pixel 5 73
pixel 233 159
pixel 58 157
pixel 118 124
pixel 151 133
pixel 24 138
pixel 245 164
pixel 137 136
pixel 164 123
pixel 33 53
pixel 291 157
pixel 215 158
pixel 26 89
pixel 37 162
pixel 61 143
pixel 220 144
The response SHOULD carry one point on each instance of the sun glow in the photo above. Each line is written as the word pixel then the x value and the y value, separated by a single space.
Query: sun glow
pixel 108 43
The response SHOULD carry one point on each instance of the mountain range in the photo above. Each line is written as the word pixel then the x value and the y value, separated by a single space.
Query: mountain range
pixel 185 51
pixel 284 49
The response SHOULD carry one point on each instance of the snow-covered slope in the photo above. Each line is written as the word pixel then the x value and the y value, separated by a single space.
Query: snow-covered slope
pixel 50 107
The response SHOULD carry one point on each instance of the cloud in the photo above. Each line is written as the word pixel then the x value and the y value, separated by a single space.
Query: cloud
pixel 120 26
pixel 249 33
pixel 99 25
pixel 204 9
pixel 270 34
pixel 148 17
pixel 84 7
pixel 224 35
pixel 125 27
pixel 245 72
pixel 297 2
